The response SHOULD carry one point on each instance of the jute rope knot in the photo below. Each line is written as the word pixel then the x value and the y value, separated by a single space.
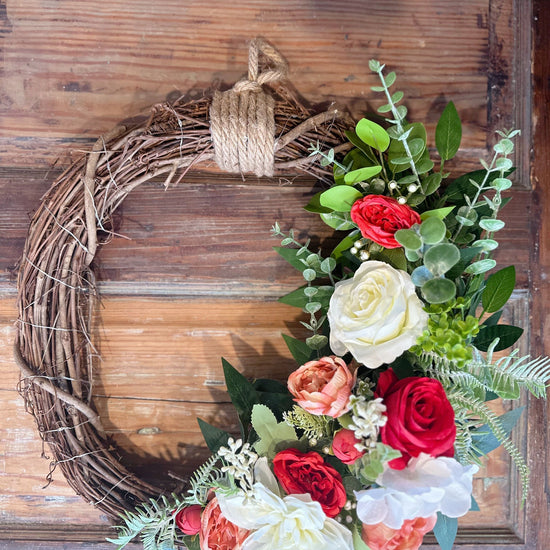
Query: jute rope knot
pixel 242 123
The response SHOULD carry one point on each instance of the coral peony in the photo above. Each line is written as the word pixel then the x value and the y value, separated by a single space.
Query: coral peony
pixel 408 537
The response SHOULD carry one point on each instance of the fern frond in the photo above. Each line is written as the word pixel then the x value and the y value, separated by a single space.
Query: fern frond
pixel 313 426
pixel 464 405
pixel 204 478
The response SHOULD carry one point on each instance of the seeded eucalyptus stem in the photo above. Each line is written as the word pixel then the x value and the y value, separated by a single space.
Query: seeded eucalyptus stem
pixel 397 119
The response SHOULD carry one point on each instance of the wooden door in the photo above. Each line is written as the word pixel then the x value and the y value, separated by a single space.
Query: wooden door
pixel 198 280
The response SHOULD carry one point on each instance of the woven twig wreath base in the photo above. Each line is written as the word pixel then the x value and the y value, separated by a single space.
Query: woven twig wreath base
pixel 57 293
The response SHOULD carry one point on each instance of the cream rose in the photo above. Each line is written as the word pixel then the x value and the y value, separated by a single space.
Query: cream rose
pixel 376 316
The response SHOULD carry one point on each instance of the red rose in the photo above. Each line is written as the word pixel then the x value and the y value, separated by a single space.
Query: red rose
pixel 379 217
pixel 420 417
pixel 343 446
pixel 301 473
pixel 189 519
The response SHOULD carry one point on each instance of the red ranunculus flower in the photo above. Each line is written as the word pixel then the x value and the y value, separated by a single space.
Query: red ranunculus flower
pixel 420 417
pixel 189 519
pixel 343 446
pixel 301 473
pixel 379 217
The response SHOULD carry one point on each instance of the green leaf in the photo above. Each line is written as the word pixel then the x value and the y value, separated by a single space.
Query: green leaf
pixel 462 185
pixel 438 291
pixel 299 350
pixel 372 134
pixel 484 441
pixel 502 184
pixel 270 432
pixel 433 230
pixel 340 198
pixel 299 298
pixel 408 239
pixel 482 266
pixel 213 437
pixel 362 174
pixel 360 157
pixel 393 256
pixel 508 335
pixel 448 132
pixel 485 244
pixel 397 97
pixel 345 244
pixel 291 256
pixel 242 394
pixel 396 150
pixel 498 289
pixel 358 543
pixel 445 531
pixel 390 79
pixel 441 257
pixel 421 275
pixel 432 183
pixel 440 213
pixel 314 204
pixel 489 224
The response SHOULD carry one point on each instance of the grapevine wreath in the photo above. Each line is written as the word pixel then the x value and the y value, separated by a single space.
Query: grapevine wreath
pixel 375 437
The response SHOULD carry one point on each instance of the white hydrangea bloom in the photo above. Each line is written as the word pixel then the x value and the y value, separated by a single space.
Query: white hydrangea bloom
pixel 292 522
pixel 427 485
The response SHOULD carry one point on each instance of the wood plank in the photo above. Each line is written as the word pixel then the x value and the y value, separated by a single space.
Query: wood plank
pixel 72 71
pixel 210 238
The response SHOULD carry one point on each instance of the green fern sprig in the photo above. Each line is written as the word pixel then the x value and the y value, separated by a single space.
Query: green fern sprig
pixel 205 478
pixel 466 406
pixel 313 426
pixel 154 522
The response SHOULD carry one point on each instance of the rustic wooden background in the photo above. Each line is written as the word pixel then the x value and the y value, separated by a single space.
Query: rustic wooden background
pixel 195 279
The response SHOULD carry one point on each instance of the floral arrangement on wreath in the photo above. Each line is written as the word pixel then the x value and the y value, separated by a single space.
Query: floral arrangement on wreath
pixel 375 438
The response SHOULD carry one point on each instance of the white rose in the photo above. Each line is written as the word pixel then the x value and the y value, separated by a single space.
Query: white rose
pixel 376 316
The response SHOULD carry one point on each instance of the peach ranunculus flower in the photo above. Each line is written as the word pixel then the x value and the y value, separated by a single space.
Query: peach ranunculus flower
pixel 322 386
pixel 217 533
pixel 408 537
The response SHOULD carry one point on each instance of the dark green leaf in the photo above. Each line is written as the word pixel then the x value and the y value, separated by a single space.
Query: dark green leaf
pixel 445 531
pixel 492 320
pixel 461 186
pixel 299 350
pixel 393 256
pixel 508 335
pixel 213 437
pixel 498 289
pixel 474 506
pixel 290 255
pixel 345 244
pixel 448 132
pixel 242 394
pixel 362 156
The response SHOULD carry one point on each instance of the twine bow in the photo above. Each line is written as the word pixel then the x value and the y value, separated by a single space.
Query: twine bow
pixel 242 123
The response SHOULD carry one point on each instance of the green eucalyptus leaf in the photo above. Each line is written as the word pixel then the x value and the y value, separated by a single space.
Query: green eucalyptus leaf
pixel 390 79
pixel 340 198
pixel 433 230
pixel 408 239
pixel 372 134
pixel 490 224
pixel 312 307
pixel 485 244
pixel 421 275
pixel 438 291
pixel 412 255
pixel 362 174
pixel 441 257
pixel 482 266
pixel 503 164
pixel 504 146
pixel 498 289
pixel 397 150
pixel 448 132
pixel 328 265
pixel 309 274
pixel 317 342
pixel 397 97
pixel 340 221
pixel 502 184
pixel 416 146
pixel 384 108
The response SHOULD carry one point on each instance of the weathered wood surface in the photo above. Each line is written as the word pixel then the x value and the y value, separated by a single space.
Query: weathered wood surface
pixel 176 292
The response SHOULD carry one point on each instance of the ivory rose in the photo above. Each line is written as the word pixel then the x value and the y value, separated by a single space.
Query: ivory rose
pixel 408 537
pixel 323 386
pixel 379 217
pixel 376 315
pixel 217 533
